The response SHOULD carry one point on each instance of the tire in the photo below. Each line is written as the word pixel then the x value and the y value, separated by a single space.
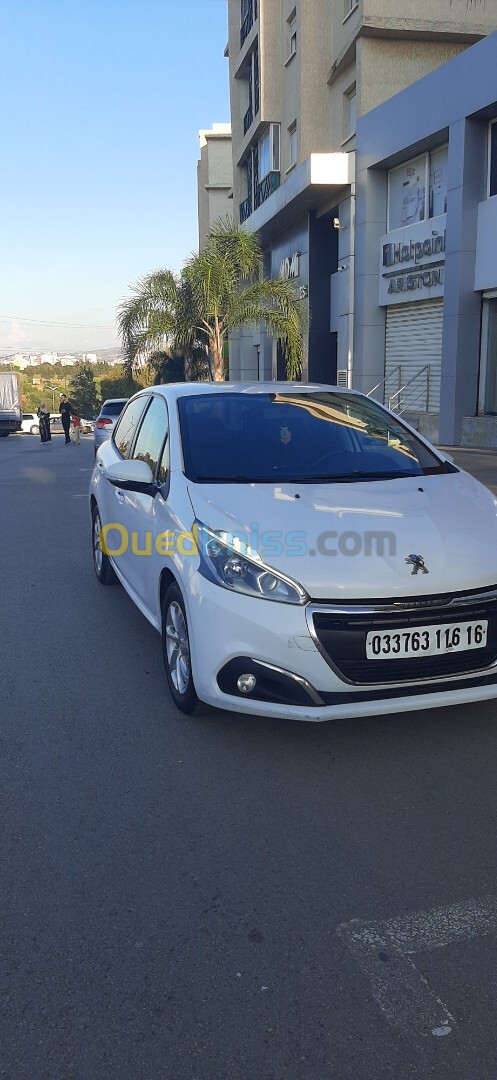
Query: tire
pixel 176 651
pixel 4 434
pixel 101 562
pixel 34 430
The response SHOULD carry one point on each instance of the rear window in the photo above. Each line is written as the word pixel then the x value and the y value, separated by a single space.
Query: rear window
pixel 112 408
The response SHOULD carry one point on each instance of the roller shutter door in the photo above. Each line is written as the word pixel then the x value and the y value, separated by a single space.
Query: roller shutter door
pixel 413 341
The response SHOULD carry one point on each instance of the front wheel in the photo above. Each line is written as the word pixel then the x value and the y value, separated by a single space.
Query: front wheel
pixel 101 561
pixel 176 651
pixel 34 430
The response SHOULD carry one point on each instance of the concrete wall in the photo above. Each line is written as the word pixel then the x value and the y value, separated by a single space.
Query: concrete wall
pixel 291 74
pixel 386 66
pixel 341 85
pixel 315 44
pixel 470 18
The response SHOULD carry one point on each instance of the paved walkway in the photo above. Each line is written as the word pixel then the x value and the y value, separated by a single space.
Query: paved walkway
pixel 481 463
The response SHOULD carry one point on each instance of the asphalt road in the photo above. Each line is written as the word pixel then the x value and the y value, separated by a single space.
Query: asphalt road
pixel 176 894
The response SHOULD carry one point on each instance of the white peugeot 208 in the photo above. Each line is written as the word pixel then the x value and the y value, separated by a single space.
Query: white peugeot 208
pixel 302 551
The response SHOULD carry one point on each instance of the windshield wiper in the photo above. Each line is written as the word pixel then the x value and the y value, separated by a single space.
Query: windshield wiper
pixel 351 477
pixel 234 479
pixel 336 478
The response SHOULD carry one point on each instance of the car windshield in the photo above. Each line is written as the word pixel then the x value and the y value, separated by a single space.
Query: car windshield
pixel 297 437
pixel 112 408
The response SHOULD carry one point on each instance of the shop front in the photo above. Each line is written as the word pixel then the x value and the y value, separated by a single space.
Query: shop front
pixel 411 288
pixel 426 194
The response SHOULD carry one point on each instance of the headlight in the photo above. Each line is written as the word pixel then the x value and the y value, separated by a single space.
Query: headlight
pixel 223 564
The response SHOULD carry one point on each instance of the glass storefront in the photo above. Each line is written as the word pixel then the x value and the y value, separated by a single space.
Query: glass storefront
pixel 488 401
pixel 407 189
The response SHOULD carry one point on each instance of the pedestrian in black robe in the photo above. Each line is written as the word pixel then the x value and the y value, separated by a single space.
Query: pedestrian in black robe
pixel 43 415
pixel 66 411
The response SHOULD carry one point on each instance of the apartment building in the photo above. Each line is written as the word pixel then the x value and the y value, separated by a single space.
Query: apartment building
pixel 301 73
pixel 214 178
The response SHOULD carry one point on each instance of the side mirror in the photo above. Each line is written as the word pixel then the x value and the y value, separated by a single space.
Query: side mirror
pixel 132 475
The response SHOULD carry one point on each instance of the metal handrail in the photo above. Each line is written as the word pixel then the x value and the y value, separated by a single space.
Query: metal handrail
pixel 396 399
pixel 383 381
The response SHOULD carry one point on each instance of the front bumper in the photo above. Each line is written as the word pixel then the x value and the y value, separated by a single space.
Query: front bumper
pixel 231 634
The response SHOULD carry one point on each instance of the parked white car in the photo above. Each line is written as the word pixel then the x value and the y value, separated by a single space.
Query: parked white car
pixel 303 552
pixel 30 424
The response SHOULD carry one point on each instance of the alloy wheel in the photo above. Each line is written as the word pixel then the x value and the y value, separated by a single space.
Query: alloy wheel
pixel 97 550
pixel 177 648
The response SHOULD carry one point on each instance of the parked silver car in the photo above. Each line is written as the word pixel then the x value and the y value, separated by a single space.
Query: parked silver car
pixel 105 423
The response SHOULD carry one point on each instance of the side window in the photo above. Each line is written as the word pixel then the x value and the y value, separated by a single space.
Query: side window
pixel 493 160
pixel 150 442
pixel 127 425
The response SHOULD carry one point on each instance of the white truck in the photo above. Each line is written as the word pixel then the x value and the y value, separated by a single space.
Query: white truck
pixel 10 403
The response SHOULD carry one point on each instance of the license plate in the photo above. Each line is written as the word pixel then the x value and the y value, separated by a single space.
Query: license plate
pixel 436 640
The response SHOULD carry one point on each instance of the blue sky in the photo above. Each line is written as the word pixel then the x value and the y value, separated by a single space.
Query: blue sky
pixel 101 107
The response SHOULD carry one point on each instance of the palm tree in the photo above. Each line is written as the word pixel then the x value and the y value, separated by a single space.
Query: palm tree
pixel 219 290
pixel 159 320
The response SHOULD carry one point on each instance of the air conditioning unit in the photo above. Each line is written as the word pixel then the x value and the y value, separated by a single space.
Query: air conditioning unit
pixel 343 378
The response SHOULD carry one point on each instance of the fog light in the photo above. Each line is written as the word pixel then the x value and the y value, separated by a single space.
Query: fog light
pixel 246 683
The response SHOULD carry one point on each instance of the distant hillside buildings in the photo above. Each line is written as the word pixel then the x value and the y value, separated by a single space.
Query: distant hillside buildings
pixel 26 360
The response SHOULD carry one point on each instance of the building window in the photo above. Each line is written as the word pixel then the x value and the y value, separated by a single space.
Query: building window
pixel 269 151
pixel 292 34
pixel 407 187
pixel 492 152
pixel 489 357
pixel 407 193
pixel 292 132
pixel 248 12
pixel 439 161
pixel 348 6
pixel 349 113
pixel 257 92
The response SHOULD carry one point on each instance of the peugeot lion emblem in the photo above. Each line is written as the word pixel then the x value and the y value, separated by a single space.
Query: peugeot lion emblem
pixel 418 564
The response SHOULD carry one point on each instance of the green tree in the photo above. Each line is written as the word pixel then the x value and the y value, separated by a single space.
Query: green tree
pixel 83 391
pixel 118 386
pixel 220 290
pixel 160 319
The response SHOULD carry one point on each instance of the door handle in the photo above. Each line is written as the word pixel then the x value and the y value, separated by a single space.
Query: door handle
pixel 100 466
pixel 119 496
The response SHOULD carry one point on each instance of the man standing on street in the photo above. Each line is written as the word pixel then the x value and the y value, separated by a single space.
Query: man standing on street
pixel 66 411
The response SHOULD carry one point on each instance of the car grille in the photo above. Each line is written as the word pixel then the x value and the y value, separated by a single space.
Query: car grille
pixel 342 639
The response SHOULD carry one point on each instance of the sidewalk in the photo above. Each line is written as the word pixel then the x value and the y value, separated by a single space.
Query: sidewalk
pixel 481 463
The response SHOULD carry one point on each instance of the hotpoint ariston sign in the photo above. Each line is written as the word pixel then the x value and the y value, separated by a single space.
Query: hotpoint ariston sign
pixel 412 262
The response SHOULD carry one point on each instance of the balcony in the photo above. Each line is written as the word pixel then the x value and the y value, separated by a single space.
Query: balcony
pixel 248 119
pixel 248 20
pixel 270 183
pixel 245 210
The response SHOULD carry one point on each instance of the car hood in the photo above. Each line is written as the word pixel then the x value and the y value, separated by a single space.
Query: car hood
pixel 352 540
